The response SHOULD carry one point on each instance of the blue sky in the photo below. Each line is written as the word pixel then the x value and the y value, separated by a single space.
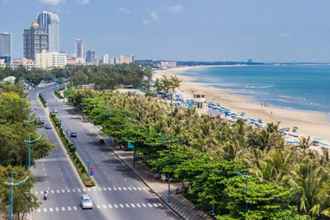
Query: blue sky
pixel 265 30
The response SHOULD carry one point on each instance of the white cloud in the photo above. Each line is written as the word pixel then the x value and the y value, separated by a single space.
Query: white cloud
pixel 151 18
pixel 51 2
pixel 125 11
pixel 176 8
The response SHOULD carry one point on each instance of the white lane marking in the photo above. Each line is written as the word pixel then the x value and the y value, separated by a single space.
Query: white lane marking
pixel 104 206
pixel 105 189
pixel 115 205
pixel 139 188
pixel 68 190
pixel 119 188
pixel 121 205
pixel 109 188
pixel 63 191
pixel 69 208
pixel 52 191
pixel 58 191
pixel 45 209
pixel 63 208
pixel 124 188
pixel 75 208
pixel 160 205
pixel 138 205
pixel 110 206
pixel 155 205
pixel 145 188
pixel 114 189
pixel 127 205
pixel 129 188
pixel 51 209
pixel 57 209
pixel 134 188
pixel 78 190
pixel 149 204
pixel 144 205
pixel 132 205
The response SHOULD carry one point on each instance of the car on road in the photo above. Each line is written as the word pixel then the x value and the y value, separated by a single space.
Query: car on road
pixel 86 202
pixel 73 134
pixel 47 126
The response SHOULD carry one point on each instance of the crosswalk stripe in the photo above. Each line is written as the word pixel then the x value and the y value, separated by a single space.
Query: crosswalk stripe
pixel 58 191
pixel 73 190
pixel 51 209
pixel 98 206
pixel 110 206
pixel 52 191
pixel 155 205
pixel 139 188
pixel 159 204
pixel 105 189
pixel 129 188
pixel 78 190
pixel 124 188
pixel 121 205
pixel 149 204
pixel 138 205
pixel 69 208
pixel 104 206
pixel 68 190
pixel 144 205
pixel 115 205
pixel 127 205
pixel 63 191
pixel 132 205
pixel 134 188
pixel 45 209
pixel 114 189
pixel 38 210
pixel 119 188
pixel 75 208
pixel 109 188
pixel 57 209
pixel 63 208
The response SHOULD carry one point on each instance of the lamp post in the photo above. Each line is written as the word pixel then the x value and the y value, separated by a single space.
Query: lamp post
pixel 29 142
pixel 11 184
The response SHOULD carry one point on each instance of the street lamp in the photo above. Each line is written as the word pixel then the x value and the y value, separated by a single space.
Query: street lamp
pixel 29 144
pixel 11 183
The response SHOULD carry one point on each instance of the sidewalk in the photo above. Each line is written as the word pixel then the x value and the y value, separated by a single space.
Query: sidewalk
pixel 176 202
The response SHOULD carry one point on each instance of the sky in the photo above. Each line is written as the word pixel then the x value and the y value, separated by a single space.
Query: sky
pixel 262 30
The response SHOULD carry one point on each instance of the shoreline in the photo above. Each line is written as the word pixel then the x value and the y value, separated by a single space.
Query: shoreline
pixel 309 123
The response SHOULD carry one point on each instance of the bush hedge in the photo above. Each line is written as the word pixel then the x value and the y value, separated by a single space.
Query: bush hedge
pixel 43 101
pixel 71 149
pixel 58 94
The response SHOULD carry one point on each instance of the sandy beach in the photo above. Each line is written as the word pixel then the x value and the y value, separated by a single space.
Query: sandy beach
pixel 314 124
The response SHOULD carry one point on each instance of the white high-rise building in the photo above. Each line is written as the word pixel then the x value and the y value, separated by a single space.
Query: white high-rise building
pixel 49 22
pixel 49 60
pixel 106 59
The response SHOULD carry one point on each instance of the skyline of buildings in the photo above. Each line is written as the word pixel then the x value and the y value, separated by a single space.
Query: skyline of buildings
pixel 41 47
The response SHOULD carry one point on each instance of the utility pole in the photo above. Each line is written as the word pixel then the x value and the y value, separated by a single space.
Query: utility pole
pixel 11 197
pixel 29 143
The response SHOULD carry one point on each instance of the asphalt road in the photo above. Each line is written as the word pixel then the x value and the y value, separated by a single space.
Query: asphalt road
pixel 119 193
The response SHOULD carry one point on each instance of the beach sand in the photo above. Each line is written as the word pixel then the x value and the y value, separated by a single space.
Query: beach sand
pixel 309 123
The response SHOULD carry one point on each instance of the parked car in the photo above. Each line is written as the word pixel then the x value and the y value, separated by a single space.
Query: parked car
pixel 86 202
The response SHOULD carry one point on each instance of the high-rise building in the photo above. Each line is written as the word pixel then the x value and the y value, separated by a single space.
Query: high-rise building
pixel 125 59
pixel 49 22
pixel 106 59
pixel 5 47
pixel 35 41
pixel 80 50
pixel 49 60
pixel 90 57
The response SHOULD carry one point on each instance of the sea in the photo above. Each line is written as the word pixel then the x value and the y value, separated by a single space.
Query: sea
pixel 303 87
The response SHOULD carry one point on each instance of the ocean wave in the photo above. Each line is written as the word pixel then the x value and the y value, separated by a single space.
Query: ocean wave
pixel 249 86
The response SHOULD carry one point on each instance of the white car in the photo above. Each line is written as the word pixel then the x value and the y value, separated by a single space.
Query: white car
pixel 86 202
